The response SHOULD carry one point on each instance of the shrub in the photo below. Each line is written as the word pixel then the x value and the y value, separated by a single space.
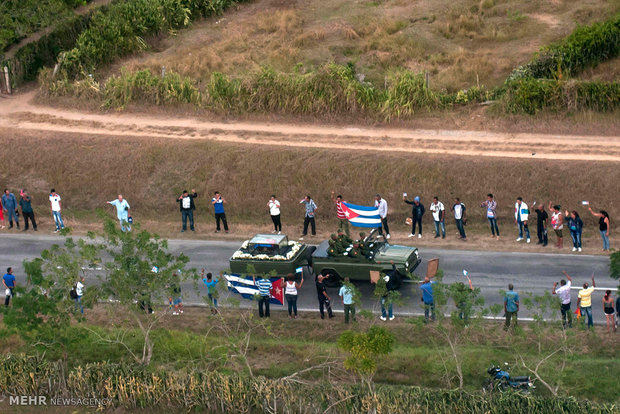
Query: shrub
pixel 587 46
pixel 533 95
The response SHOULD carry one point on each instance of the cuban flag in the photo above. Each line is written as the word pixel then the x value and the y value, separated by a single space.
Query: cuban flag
pixel 362 216
pixel 247 289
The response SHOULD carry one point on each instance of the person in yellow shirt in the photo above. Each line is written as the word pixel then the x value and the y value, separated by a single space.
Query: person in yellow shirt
pixel 584 301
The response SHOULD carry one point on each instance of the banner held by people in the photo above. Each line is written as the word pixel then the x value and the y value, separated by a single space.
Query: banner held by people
pixel 362 216
pixel 245 287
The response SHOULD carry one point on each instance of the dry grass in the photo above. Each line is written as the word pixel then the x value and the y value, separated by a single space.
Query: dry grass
pixel 151 172
pixel 460 43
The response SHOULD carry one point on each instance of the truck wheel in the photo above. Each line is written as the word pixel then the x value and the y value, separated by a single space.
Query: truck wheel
pixel 333 281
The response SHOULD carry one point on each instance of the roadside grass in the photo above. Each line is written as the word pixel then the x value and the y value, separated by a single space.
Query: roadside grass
pixel 460 43
pixel 284 346
pixel 151 172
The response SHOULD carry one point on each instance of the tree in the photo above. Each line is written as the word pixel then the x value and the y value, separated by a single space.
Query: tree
pixel 139 274
pixel 364 348
pixel 42 311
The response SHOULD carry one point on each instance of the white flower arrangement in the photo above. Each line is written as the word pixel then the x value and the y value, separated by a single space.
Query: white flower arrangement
pixel 240 254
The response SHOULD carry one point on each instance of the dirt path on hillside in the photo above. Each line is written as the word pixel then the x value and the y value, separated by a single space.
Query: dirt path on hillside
pixel 18 112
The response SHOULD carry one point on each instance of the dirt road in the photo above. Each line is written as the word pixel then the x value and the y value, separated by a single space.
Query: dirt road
pixel 19 112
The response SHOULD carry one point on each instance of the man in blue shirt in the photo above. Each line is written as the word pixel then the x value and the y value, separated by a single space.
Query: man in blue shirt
pixel 511 306
pixel 264 294
pixel 8 280
pixel 427 299
pixel 218 204
pixel 9 205
pixel 346 293
pixel 122 212
pixel 311 208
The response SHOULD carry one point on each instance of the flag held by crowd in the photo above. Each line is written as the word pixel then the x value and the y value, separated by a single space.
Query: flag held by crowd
pixel 245 287
pixel 361 216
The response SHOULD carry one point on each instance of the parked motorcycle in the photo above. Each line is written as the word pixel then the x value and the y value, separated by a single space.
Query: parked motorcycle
pixel 502 381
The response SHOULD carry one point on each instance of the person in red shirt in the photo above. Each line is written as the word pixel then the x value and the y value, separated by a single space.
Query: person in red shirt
pixel 344 222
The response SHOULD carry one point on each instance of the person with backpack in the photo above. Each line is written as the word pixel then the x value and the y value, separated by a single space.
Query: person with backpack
pixel 575 225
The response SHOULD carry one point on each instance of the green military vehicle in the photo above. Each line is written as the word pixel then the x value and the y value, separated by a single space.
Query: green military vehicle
pixel 377 255
pixel 270 252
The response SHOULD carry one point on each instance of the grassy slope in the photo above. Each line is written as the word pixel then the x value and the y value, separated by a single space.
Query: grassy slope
pixel 287 346
pixel 461 43
pixel 151 172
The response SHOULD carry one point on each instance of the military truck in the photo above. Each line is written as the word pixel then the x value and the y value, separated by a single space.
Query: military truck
pixel 378 255
pixel 267 253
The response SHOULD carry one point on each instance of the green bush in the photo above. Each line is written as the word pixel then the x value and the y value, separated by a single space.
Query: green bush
pixel 533 95
pixel 587 46
pixel 131 387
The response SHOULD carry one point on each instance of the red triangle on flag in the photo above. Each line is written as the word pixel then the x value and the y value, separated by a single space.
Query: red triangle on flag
pixel 348 213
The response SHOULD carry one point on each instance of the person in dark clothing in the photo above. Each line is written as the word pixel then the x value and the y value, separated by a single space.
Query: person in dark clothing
pixel 542 220
pixel 575 225
pixel 324 299
pixel 25 203
pixel 218 204
pixel 417 211
pixel 187 206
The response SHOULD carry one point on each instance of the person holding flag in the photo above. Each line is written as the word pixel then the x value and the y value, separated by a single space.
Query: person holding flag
pixel 264 294
pixel 343 223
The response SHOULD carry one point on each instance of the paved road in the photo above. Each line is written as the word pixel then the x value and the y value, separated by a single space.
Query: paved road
pixel 490 271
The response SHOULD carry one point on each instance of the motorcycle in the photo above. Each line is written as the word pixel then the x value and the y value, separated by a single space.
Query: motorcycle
pixel 502 381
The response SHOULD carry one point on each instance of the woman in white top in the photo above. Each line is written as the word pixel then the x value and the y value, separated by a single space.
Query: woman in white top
pixel 557 223
pixel 274 211
pixel 290 292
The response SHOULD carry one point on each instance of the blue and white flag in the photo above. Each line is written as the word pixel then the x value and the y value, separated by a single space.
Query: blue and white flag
pixel 247 289
pixel 361 216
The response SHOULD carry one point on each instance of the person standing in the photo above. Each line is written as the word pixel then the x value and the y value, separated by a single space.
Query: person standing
pixel 386 301
pixel 175 298
pixel 211 290
pixel 8 280
pixel 608 309
pixel 264 294
pixel 187 206
pixel 2 221
pixel 417 211
pixel 122 212
pixel 79 291
pixel 324 300
pixel 584 301
pixel 290 293
pixel 557 224
pixel 491 206
pixel 465 304
pixel 382 206
pixel 563 293
pixel 311 209
pixel 55 204
pixel 521 215
pixel 274 212
pixel 218 204
pixel 346 293
pixel 9 205
pixel 428 299
pixel 603 226
pixel 438 210
pixel 25 203
pixel 460 217
pixel 542 220
pixel 343 222
pixel 511 306
pixel 575 226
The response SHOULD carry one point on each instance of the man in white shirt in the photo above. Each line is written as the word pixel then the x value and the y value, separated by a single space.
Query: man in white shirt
pixel 56 207
pixel 122 212
pixel 79 290
pixel 382 205
pixel 460 217
pixel 438 210
pixel 563 293
pixel 274 212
